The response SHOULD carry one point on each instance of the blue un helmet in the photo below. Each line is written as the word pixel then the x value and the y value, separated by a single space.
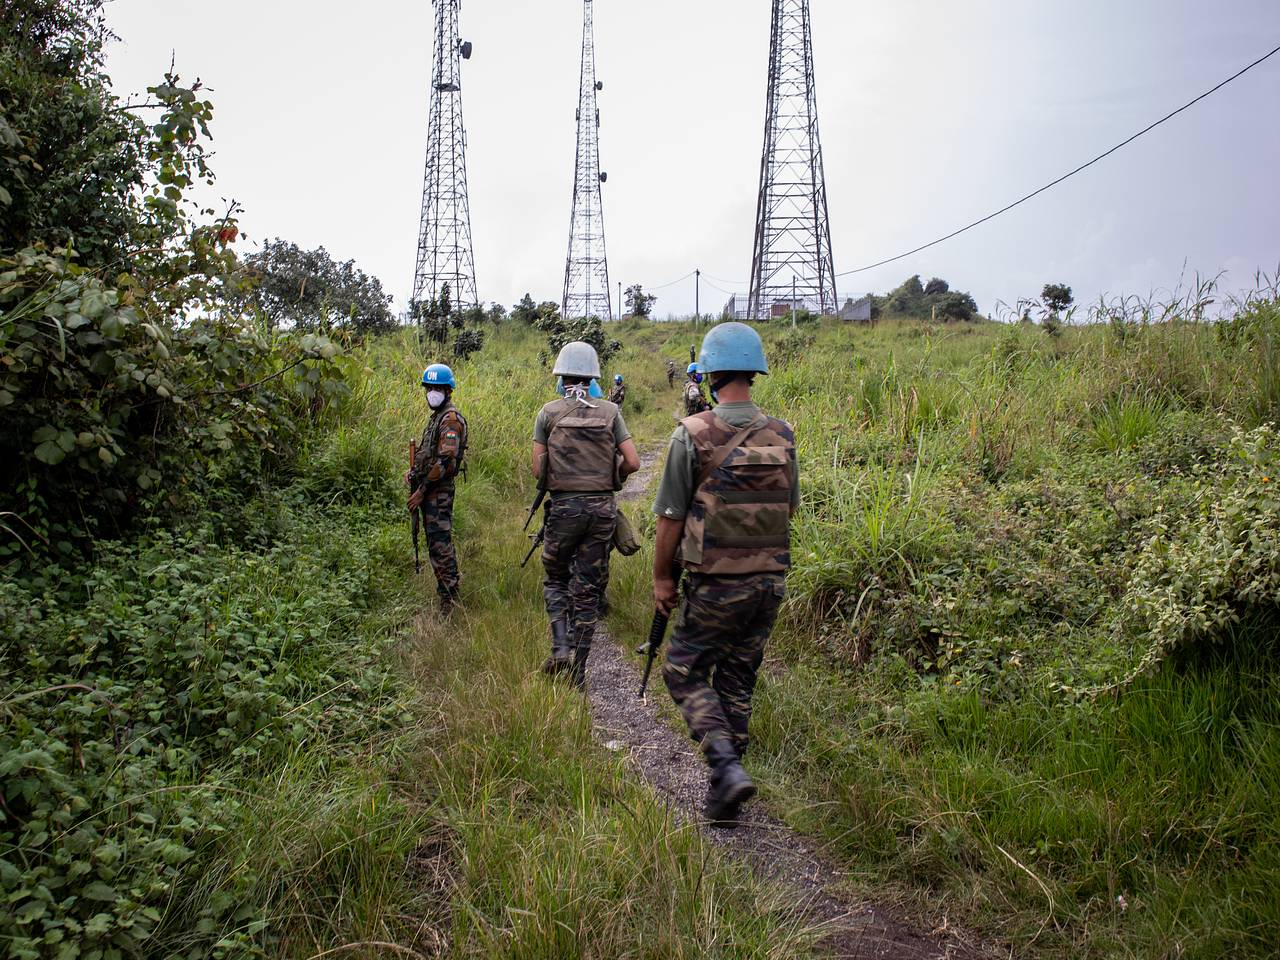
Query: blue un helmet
pixel 593 391
pixel 617 378
pixel 732 347
pixel 438 375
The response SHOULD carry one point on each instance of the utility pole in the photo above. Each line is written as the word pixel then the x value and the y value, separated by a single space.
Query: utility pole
pixel 586 274
pixel 445 255
pixel 620 306
pixel 792 231
pixel 697 296
pixel 793 301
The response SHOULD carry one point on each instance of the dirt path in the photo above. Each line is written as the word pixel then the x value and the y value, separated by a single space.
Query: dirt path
pixel 668 761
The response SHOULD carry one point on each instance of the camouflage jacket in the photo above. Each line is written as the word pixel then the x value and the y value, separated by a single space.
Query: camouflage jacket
pixel 740 518
pixel 618 394
pixel 694 401
pixel 443 449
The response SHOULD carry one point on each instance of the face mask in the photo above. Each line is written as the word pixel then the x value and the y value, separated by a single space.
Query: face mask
pixel 435 399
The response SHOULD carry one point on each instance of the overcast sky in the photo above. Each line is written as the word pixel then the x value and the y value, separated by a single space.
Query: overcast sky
pixel 933 113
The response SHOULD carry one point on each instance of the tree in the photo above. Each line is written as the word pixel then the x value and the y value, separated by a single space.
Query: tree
pixel 526 311
pixel 560 331
pixel 936 286
pixel 497 313
pixel 954 306
pixel 1056 297
pixel 907 298
pixel 639 303
pixel 309 290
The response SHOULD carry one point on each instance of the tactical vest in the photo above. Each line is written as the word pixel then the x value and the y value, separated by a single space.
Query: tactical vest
pixel 580 446
pixel 431 441
pixel 740 518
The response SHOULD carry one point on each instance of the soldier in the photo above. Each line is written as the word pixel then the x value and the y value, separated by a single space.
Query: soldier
pixel 728 491
pixel 671 374
pixel 694 401
pixel 619 392
pixel 577 444
pixel 439 460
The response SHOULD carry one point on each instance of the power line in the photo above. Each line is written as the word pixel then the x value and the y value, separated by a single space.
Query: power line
pixel 1065 176
pixel 674 282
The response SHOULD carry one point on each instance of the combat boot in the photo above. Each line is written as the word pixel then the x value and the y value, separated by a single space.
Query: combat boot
pixel 730 787
pixel 561 658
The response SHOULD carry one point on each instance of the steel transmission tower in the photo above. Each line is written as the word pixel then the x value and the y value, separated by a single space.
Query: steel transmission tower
pixel 586 274
pixel 444 237
pixel 793 237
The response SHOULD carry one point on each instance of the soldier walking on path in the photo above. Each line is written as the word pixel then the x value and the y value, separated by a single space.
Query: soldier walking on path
pixel 582 451
pixel 671 373
pixel 619 392
pixel 694 401
pixel 728 491
pixel 439 459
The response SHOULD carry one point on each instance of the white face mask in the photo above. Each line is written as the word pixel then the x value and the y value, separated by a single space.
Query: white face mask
pixel 435 399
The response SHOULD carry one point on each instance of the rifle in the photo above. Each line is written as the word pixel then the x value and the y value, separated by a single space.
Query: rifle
pixel 658 630
pixel 415 522
pixel 538 538
pixel 541 494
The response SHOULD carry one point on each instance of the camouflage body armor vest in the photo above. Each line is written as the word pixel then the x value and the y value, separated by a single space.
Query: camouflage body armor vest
pixel 740 518
pixel 580 446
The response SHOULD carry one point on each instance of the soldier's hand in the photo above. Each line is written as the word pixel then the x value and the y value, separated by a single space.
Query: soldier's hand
pixel 415 501
pixel 665 596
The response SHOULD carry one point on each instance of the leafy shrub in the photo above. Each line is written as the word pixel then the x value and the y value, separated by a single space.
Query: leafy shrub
pixel 1203 575
pixel 126 687
pixel 560 331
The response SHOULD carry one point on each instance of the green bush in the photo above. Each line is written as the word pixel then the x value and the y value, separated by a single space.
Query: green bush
pixel 125 689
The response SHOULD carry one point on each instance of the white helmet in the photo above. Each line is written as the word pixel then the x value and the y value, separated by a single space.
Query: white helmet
pixel 577 359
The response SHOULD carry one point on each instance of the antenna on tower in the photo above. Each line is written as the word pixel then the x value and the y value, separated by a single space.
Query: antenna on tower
pixel 586 274
pixel 445 255
pixel 793 236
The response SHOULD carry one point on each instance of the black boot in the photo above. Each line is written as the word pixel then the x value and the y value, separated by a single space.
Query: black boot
pixel 561 658
pixel 579 678
pixel 730 786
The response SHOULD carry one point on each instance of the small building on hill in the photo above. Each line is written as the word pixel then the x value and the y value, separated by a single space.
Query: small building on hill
pixel 857 311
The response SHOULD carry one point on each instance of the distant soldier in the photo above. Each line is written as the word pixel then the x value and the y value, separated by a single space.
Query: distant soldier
pixel 671 373
pixel 577 445
pixel 694 401
pixel 728 491
pixel 439 459
pixel 619 392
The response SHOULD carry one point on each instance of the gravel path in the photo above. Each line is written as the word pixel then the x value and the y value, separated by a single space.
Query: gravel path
pixel 668 761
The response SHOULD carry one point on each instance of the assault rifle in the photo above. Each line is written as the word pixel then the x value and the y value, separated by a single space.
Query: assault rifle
pixel 658 630
pixel 538 498
pixel 415 522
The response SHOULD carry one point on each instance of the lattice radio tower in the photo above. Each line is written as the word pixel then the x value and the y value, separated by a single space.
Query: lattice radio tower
pixel 586 274
pixel 444 238
pixel 792 256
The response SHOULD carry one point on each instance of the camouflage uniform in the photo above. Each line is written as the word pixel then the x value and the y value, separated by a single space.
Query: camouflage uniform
pixel 618 394
pixel 694 401
pixel 440 457
pixel 671 373
pixel 582 441
pixel 736 549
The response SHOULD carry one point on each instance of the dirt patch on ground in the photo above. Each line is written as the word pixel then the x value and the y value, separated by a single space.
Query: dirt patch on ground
pixel 669 762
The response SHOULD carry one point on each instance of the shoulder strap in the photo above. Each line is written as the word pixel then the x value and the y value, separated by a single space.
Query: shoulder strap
pixel 721 454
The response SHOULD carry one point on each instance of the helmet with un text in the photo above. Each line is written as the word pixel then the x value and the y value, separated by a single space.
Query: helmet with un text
pixel 438 375
pixel 732 346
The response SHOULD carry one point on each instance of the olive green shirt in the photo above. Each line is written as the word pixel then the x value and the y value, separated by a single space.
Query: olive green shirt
pixel 680 475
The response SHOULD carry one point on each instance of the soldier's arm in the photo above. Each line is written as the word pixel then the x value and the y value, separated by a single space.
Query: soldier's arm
pixel 630 457
pixel 664 558
pixel 539 457
pixel 444 463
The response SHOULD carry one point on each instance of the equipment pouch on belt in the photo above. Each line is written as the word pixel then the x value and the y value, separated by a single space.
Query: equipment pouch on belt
pixel 624 536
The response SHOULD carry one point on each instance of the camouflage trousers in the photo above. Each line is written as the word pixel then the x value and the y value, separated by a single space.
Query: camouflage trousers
pixel 575 556
pixel 716 651
pixel 437 526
